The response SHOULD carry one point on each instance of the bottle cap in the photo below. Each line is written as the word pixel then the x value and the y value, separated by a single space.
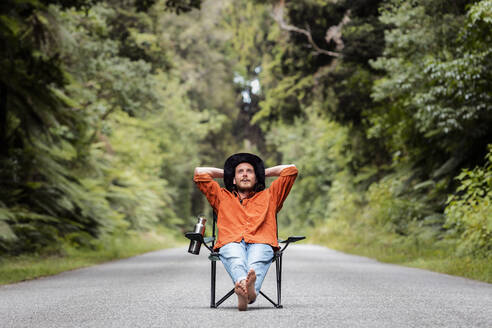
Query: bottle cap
pixel 202 219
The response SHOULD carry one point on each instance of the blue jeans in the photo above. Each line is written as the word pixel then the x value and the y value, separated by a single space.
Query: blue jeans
pixel 238 258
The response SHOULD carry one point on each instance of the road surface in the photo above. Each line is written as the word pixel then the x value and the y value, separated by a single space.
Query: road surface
pixel 321 288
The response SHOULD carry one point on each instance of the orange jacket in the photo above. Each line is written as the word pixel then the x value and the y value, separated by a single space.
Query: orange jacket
pixel 255 219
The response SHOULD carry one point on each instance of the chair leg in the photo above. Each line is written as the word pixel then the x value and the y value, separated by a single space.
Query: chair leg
pixel 278 264
pixel 278 267
pixel 212 289
pixel 224 298
pixel 213 275
pixel 269 299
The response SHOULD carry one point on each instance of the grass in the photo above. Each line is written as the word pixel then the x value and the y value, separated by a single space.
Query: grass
pixel 389 248
pixel 26 267
pixel 478 269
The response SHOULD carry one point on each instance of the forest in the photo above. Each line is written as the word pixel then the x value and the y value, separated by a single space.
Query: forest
pixel 385 107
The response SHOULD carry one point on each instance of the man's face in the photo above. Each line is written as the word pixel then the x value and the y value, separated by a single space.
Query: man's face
pixel 245 177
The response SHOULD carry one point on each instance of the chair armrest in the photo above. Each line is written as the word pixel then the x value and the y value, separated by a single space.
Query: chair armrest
pixel 292 239
pixel 208 239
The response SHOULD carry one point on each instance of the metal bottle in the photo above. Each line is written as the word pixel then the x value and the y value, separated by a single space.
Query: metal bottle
pixel 200 228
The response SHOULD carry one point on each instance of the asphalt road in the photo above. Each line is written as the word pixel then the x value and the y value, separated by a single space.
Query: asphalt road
pixel 321 288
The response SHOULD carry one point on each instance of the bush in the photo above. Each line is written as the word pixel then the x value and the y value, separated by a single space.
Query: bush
pixel 395 213
pixel 469 212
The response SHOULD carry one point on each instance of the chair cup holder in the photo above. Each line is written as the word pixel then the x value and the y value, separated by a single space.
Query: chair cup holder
pixel 194 236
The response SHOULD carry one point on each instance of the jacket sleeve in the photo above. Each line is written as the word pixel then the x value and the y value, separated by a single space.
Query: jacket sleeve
pixel 209 187
pixel 280 188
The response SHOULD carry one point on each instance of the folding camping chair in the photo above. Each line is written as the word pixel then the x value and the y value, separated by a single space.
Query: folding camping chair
pixel 209 242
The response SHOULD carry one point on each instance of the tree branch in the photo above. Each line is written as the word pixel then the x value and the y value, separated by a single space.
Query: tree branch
pixel 333 33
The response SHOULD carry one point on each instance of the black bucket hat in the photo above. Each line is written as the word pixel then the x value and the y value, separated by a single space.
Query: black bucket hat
pixel 236 159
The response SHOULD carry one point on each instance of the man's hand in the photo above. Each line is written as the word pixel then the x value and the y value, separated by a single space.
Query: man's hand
pixel 212 171
pixel 274 171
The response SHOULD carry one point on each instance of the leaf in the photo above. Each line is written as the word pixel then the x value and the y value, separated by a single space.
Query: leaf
pixel 425 184
pixel 11 24
pixel 6 232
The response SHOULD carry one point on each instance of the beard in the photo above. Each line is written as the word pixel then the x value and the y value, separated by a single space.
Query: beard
pixel 245 188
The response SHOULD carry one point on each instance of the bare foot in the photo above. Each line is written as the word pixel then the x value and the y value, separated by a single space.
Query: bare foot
pixel 250 284
pixel 242 295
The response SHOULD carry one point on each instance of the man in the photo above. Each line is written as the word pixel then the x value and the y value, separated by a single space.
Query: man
pixel 246 217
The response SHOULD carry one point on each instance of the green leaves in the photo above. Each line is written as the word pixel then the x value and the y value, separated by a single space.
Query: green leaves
pixel 481 11
pixel 106 109
pixel 411 96
pixel 468 211
pixel 11 25
pixel 100 136
pixel 441 82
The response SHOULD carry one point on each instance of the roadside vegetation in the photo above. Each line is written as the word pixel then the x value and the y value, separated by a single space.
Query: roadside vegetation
pixel 30 266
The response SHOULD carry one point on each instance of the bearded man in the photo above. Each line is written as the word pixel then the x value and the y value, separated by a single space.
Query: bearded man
pixel 246 217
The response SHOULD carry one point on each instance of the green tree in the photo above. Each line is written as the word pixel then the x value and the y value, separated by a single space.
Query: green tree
pixel 100 132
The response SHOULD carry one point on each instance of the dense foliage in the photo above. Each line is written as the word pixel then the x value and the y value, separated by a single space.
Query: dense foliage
pixel 102 120
pixel 381 104
pixel 384 105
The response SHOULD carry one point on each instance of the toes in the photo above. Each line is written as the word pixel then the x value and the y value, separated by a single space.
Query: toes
pixel 250 284
pixel 251 278
pixel 251 275
pixel 242 295
pixel 240 288
pixel 244 288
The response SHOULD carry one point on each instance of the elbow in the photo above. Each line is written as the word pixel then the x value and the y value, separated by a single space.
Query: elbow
pixel 291 165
